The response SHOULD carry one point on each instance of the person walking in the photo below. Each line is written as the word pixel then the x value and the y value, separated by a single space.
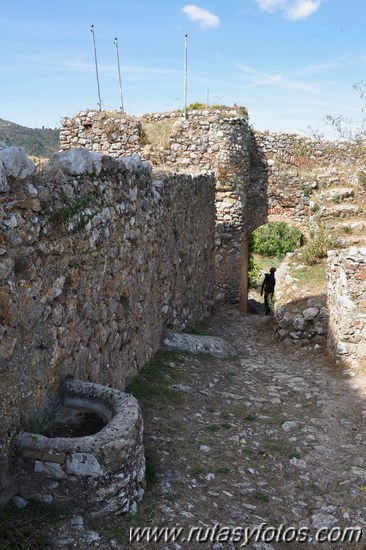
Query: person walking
pixel 267 289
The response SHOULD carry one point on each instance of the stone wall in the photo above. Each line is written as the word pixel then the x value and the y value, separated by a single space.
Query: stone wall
pixel 300 316
pixel 347 307
pixel 260 177
pixel 281 196
pixel 305 152
pixel 217 140
pixel 97 256
pixel 300 173
pixel 115 135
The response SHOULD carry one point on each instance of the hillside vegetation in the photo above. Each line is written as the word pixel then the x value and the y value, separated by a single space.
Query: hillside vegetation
pixel 38 142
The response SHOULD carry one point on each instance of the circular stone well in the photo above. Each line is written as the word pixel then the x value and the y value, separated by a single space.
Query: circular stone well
pixel 89 456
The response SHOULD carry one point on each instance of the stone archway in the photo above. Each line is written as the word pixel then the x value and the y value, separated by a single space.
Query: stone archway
pixel 284 218
pixel 244 260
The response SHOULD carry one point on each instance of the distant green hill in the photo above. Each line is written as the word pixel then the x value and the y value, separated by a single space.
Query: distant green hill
pixel 38 142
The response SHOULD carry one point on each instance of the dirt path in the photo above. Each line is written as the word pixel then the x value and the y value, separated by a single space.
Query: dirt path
pixel 271 436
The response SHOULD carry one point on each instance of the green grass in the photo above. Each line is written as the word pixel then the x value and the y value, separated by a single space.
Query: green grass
pixel 307 190
pixel 312 275
pixel 76 206
pixel 203 106
pixel 222 470
pixel 216 427
pixel 197 470
pixel 294 454
pixel 153 381
pixel 23 529
pixel 213 428
pixel 361 178
pixel 142 389
pixel 261 497
pixel 317 245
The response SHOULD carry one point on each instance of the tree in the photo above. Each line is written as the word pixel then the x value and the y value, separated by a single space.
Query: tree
pixel 275 239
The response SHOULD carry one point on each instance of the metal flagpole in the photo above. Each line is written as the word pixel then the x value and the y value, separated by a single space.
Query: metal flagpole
pixel 119 73
pixel 185 75
pixel 96 67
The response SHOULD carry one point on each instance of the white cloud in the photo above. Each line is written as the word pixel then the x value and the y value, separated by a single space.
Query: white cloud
pixel 255 78
pixel 302 9
pixel 320 68
pixel 204 18
pixel 271 5
pixel 290 9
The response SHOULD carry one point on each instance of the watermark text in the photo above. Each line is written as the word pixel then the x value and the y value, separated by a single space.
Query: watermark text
pixel 245 535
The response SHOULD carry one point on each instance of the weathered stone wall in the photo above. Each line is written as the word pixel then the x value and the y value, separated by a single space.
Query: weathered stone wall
pixel 300 316
pixel 306 177
pixel 304 152
pixel 97 255
pixel 115 136
pixel 213 140
pixel 283 188
pixel 260 177
pixel 347 307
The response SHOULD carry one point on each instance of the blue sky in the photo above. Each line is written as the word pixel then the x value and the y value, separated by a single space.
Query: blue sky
pixel 290 62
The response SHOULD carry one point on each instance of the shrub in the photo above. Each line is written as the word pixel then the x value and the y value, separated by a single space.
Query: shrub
pixel 318 245
pixel 275 239
pixel 253 272
pixel 306 189
pixel 315 207
pixel 203 106
pixel 196 105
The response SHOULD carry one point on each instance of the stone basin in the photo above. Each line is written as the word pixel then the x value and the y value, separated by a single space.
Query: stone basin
pixel 89 456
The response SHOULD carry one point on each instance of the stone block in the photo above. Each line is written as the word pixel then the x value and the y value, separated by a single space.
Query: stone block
pixel 83 465
pixel 49 469
pixel 215 346
pixel 37 455
pixel 310 313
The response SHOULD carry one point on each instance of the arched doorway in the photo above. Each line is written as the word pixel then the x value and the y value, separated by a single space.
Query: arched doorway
pixel 270 242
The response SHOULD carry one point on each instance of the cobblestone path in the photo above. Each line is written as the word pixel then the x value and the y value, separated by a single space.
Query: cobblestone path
pixel 275 436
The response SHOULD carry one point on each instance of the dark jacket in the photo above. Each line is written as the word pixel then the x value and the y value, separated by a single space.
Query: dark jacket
pixel 269 283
